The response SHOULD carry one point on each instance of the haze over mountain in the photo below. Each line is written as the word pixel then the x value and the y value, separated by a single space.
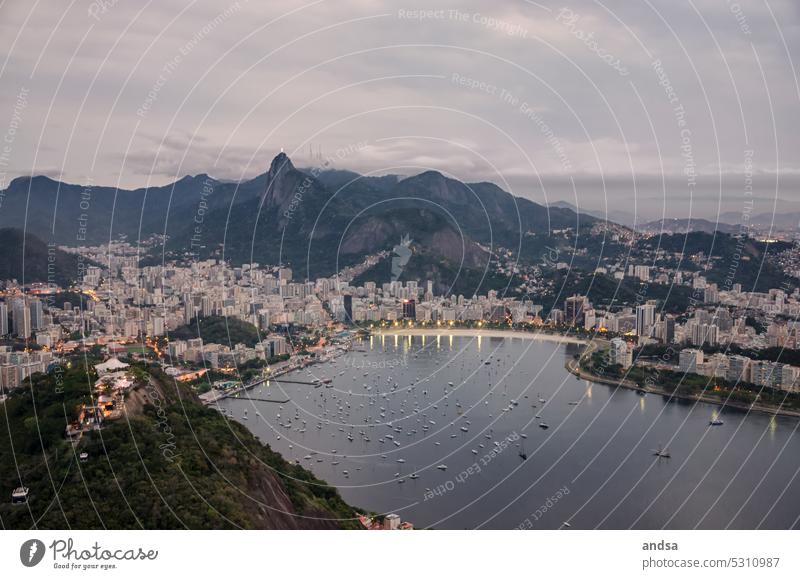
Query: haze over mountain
pixel 687 226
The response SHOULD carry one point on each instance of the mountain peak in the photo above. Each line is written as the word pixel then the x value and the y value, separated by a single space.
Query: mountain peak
pixel 430 174
pixel 279 187
pixel 281 163
pixel 30 180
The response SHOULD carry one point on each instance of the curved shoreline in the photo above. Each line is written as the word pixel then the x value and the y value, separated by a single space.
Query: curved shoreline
pixel 574 369
pixel 476 333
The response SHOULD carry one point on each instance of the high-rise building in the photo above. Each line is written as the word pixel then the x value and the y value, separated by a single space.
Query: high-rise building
pixel 642 272
pixel 711 294
pixel 620 353
pixel 188 309
pixel 158 326
pixel 347 300
pixel 723 320
pixel 645 318
pixel 3 319
pixel 573 310
pixel 589 319
pixel 738 369
pixel 409 309
pixel 21 319
pixel 789 378
pixel 175 349
pixel 37 314
pixel 704 334
pixel 763 373
pixel 689 359
pixel 669 329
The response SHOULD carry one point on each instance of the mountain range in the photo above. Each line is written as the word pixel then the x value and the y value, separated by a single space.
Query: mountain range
pixel 316 220
pixel 320 221
pixel 782 215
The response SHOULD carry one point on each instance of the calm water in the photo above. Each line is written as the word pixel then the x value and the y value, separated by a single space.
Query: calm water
pixel 593 467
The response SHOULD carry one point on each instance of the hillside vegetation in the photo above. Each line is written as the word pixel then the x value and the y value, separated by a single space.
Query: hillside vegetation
pixel 169 463
pixel 218 330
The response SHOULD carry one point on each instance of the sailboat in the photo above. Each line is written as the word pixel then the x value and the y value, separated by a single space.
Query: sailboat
pixel 715 420
pixel 662 452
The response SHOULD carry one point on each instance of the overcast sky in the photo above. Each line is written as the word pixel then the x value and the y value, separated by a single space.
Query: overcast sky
pixel 614 95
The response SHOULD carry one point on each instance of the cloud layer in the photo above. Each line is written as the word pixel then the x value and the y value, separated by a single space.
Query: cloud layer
pixel 533 96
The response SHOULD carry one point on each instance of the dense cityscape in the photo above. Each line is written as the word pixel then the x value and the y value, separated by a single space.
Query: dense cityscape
pixel 119 310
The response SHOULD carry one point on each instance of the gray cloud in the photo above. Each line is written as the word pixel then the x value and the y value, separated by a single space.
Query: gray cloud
pixel 508 91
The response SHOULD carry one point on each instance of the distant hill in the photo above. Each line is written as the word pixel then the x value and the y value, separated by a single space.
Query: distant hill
pixel 739 261
pixel 38 262
pixel 218 330
pixel 780 220
pixel 688 226
pixel 89 214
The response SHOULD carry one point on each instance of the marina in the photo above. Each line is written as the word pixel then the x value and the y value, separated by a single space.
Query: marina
pixel 410 413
